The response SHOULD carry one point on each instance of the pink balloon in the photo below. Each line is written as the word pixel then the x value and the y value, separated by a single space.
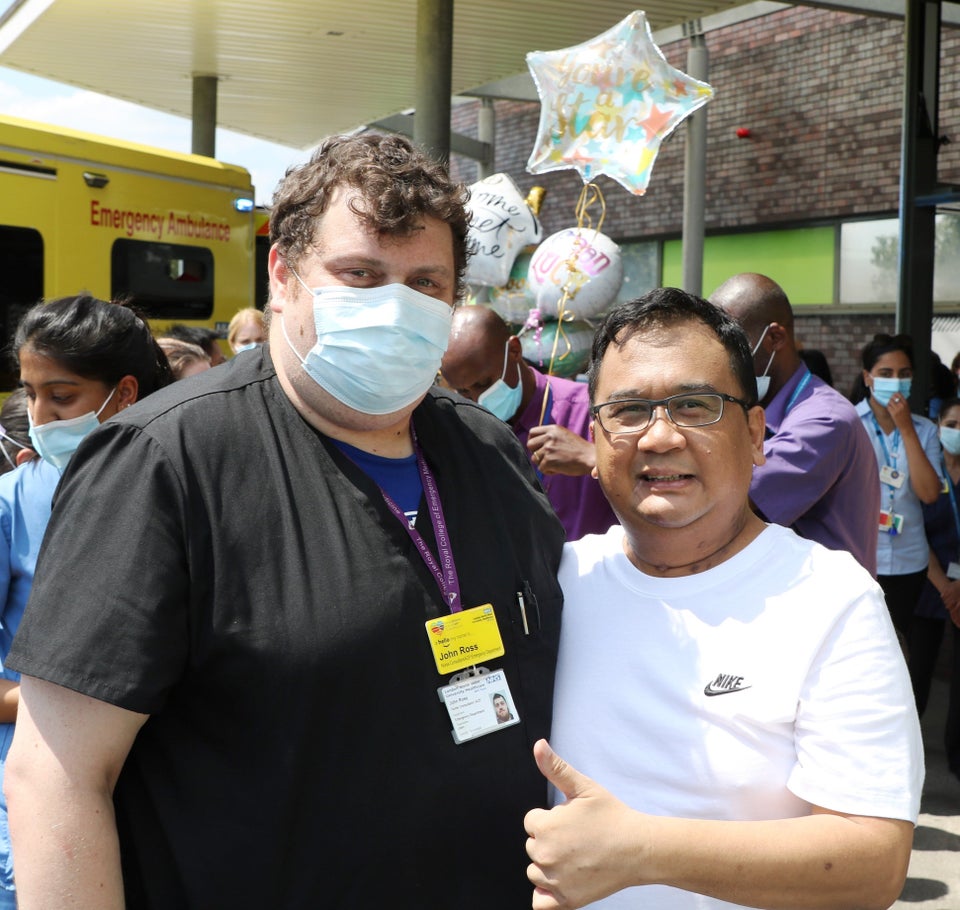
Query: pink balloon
pixel 607 104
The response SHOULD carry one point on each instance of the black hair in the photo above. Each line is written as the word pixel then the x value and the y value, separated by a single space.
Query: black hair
pixel 943 381
pixel 817 363
pixel 663 307
pixel 884 344
pixel 872 351
pixel 945 406
pixel 96 340
pixel 194 334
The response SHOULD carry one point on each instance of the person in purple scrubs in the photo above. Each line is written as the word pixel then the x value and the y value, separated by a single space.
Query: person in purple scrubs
pixel 550 415
pixel 821 475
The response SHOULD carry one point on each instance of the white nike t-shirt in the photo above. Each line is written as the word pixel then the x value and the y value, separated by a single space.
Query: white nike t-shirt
pixel 750 691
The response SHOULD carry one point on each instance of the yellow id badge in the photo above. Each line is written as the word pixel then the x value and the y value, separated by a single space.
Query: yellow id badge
pixel 466 638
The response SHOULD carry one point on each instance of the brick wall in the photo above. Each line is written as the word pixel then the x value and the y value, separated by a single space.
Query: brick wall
pixel 821 93
pixel 841 338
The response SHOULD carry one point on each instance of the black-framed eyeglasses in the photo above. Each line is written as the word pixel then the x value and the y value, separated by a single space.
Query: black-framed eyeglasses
pixel 634 415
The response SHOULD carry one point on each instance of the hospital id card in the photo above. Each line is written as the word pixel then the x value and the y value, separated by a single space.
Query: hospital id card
pixel 891 523
pixel 479 705
pixel 891 477
pixel 462 639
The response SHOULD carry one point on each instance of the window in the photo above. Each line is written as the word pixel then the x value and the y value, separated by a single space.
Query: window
pixel 21 261
pixel 869 254
pixel 641 269
pixel 165 280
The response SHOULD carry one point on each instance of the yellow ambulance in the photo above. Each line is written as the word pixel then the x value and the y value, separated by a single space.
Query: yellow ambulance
pixel 175 233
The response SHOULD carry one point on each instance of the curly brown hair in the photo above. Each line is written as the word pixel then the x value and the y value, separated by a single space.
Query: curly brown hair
pixel 397 186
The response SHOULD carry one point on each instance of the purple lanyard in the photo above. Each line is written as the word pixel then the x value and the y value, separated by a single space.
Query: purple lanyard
pixel 447 578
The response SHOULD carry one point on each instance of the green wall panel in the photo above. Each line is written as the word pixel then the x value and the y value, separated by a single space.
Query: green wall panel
pixel 801 261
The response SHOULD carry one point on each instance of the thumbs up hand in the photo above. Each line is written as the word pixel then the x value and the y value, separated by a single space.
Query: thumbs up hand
pixel 584 849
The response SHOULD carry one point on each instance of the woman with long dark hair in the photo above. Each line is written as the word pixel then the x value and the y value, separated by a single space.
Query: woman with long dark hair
pixel 938 612
pixel 82 360
pixel 907 449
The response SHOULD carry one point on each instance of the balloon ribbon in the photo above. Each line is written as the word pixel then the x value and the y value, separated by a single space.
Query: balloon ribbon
pixel 590 195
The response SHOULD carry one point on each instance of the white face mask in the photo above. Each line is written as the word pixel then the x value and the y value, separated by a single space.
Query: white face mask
pixel 950 437
pixel 763 382
pixel 378 350
pixel 500 399
pixel 885 387
pixel 56 440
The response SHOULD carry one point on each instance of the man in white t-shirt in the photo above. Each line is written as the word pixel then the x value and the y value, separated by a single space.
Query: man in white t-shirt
pixel 733 721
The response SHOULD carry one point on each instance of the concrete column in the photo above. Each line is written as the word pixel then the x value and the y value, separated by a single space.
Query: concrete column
pixel 486 132
pixel 695 174
pixel 204 131
pixel 431 126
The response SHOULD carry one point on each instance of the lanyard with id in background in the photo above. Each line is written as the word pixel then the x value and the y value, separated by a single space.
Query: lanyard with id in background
pixel 478 701
pixel 890 522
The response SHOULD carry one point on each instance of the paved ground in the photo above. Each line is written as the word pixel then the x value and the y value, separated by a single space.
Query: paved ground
pixel 933 882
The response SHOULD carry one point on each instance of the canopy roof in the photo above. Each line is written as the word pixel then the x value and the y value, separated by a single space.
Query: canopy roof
pixel 293 71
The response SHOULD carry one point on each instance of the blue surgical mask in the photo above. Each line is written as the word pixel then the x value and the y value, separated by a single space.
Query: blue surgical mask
pixel 500 399
pixel 885 388
pixel 950 439
pixel 57 440
pixel 763 382
pixel 378 350
pixel 247 347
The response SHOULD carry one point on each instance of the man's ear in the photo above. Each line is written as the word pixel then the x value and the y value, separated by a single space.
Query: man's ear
pixel 757 422
pixel 777 335
pixel 280 276
pixel 593 439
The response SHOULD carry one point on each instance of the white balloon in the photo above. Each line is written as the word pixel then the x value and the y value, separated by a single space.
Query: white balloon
pixel 598 273
pixel 501 225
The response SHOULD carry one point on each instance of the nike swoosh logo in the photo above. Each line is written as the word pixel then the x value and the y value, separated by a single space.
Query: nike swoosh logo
pixel 709 690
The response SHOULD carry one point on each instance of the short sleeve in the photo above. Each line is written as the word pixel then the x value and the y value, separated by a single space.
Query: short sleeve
pixel 931 446
pixel 858 742
pixel 803 461
pixel 107 614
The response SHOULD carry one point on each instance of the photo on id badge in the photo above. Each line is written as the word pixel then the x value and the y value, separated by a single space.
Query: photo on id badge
pixel 479 704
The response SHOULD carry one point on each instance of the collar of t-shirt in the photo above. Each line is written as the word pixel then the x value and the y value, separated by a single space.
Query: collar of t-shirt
pixel 399 478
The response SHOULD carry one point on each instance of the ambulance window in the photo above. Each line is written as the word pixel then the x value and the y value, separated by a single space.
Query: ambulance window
pixel 165 280
pixel 21 261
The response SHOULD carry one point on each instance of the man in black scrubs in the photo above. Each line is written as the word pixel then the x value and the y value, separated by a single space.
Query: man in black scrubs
pixel 275 603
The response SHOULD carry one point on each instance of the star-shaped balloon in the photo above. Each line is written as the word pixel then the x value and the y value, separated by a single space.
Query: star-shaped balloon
pixel 607 104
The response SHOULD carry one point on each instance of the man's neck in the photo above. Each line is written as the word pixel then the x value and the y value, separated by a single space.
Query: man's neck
pixel 393 440
pixel 666 554
pixel 784 367
pixel 528 380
